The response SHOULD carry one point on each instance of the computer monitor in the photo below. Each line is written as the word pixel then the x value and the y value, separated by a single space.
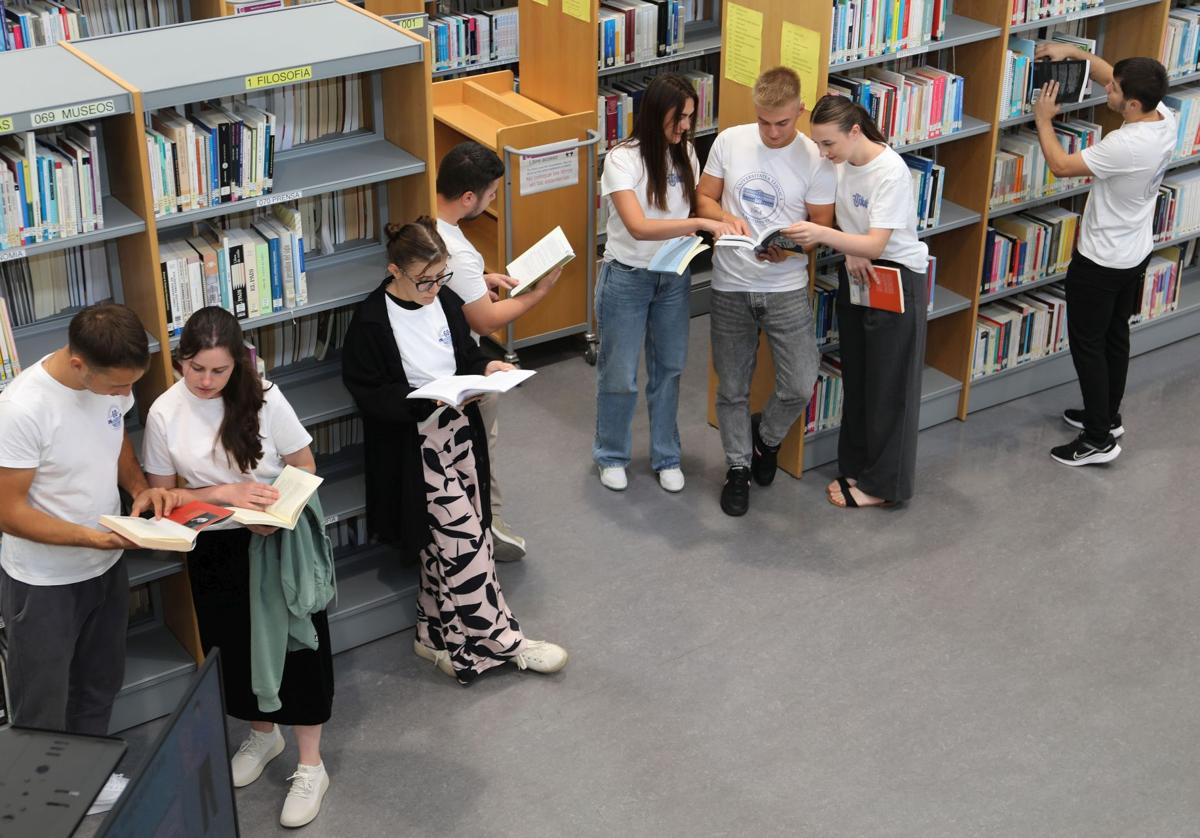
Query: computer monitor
pixel 185 788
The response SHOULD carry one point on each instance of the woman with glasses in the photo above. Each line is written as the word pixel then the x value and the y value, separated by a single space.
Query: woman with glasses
pixel 427 474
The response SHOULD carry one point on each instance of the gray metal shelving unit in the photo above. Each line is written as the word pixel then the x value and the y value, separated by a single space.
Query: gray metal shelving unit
pixel 377 596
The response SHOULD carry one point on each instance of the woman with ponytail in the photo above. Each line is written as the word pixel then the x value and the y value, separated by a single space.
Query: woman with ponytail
pixel 225 436
pixel 427 469
pixel 883 353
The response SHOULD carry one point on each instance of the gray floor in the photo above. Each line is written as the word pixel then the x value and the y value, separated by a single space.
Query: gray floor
pixel 1016 653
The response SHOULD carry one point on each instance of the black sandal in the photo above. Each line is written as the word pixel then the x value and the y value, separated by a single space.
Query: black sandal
pixel 844 486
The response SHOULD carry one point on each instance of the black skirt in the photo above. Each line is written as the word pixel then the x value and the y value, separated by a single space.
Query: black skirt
pixel 219 569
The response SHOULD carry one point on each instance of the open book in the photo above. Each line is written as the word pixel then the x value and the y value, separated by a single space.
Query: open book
pixel 295 487
pixel 552 251
pixel 456 389
pixel 772 236
pixel 885 291
pixel 675 254
pixel 1073 77
pixel 176 532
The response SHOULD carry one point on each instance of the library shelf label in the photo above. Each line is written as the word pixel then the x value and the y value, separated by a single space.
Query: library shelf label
pixel 73 113
pixel 292 75
pixel 6 124
pixel 9 255
pixel 281 198
pixel 416 22
pixel 549 170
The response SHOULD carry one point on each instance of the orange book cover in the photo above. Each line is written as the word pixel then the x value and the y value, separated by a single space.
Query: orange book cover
pixel 885 291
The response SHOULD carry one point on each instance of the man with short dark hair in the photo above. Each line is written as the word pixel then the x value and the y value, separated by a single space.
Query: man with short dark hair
pixel 1115 237
pixel 468 179
pixel 64 591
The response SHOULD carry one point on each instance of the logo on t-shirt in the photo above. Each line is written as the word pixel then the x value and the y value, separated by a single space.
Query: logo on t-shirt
pixel 860 201
pixel 114 418
pixel 444 338
pixel 674 179
pixel 761 196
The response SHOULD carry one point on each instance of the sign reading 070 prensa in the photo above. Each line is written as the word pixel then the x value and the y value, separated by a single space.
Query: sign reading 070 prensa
pixel 292 75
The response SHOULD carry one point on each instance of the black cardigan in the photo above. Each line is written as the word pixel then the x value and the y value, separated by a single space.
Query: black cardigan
pixel 374 374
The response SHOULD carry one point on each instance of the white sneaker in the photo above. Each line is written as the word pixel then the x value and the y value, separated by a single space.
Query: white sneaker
pixel 541 656
pixel 436 656
pixel 108 796
pixel 671 479
pixel 303 804
pixel 511 547
pixel 614 478
pixel 253 755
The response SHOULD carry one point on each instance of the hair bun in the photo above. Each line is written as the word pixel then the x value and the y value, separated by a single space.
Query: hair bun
pixel 392 230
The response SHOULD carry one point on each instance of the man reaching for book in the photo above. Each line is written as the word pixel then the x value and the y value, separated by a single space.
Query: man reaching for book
pixel 1115 236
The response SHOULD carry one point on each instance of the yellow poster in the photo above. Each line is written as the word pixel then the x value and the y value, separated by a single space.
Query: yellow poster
pixel 800 49
pixel 542 2
pixel 581 9
pixel 743 44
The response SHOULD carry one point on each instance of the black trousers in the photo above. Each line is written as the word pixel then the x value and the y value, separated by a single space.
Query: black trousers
pixel 883 356
pixel 1100 301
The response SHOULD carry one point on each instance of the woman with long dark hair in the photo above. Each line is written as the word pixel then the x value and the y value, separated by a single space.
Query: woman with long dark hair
pixel 225 436
pixel 427 470
pixel 883 353
pixel 650 179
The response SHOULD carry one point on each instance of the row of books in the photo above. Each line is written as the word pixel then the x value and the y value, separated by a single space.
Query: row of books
pixel 825 288
pixel 1028 246
pixel 1019 169
pixel 311 111
pixel 908 105
pixel 39 23
pixel 1159 293
pixel 868 28
pixel 928 179
pixel 250 271
pixel 10 363
pixel 313 337
pixel 618 104
pixel 334 219
pixel 52 283
pixel 50 184
pixel 1021 75
pixel 633 31
pixel 1181 41
pixel 1185 101
pixel 476 37
pixel 1028 11
pixel 1177 207
pixel 331 437
pixel 347 533
pixel 824 409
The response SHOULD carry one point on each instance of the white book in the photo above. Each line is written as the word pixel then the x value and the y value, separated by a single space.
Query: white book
pixel 551 252
pixel 456 389
pixel 295 487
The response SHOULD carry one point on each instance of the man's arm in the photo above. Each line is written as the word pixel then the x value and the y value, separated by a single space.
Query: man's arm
pixel 1101 70
pixel 486 315
pixel 708 203
pixel 132 479
pixel 18 518
pixel 1059 162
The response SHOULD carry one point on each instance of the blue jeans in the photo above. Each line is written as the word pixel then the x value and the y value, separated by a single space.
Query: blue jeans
pixel 635 305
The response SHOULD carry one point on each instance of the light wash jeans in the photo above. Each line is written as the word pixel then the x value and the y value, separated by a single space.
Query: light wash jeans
pixel 737 317
pixel 636 306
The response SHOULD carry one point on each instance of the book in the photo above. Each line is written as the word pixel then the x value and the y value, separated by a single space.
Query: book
pixel 770 237
pixel 295 487
pixel 175 532
pixel 885 291
pixel 676 254
pixel 1073 77
pixel 456 389
pixel 551 252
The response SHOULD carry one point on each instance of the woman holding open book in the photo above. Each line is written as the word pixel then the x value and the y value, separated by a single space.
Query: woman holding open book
pixel 427 469
pixel 650 179
pixel 225 437
pixel 883 351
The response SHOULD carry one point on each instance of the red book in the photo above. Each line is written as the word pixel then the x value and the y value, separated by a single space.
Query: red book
pixel 885 291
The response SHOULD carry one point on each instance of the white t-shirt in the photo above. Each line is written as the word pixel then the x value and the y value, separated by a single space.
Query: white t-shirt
pixel 880 195
pixel 768 187
pixel 181 438
pixel 624 170
pixel 467 264
pixel 423 337
pixel 73 438
pixel 1129 164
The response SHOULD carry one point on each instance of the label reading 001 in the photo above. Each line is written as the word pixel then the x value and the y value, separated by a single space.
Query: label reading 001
pixel 292 75
pixel 279 198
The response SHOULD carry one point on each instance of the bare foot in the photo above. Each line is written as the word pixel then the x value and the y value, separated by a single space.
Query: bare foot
pixel 860 497
pixel 833 487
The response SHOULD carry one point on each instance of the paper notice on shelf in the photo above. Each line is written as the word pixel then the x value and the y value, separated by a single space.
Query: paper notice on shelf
pixel 800 49
pixel 581 9
pixel 542 2
pixel 548 167
pixel 743 44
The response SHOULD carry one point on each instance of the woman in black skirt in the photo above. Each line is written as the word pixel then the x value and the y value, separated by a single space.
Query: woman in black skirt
pixel 883 352
pixel 225 436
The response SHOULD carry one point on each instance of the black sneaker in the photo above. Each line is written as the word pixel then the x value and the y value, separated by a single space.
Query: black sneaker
pixel 735 494
pixel 764 460
pixel 1083 453
pixel 1074 418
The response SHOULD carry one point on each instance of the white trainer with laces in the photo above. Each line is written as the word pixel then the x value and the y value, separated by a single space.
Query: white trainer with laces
pixel 541 656
pixel 303 804
pixel 114 786
pixel 440 657
pixel 671 479
pixel 614 478
pixel 253 755
pixel 510 547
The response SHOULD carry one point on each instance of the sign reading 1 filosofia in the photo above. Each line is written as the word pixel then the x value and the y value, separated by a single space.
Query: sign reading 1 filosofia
pixel 291 75
pixel 71 113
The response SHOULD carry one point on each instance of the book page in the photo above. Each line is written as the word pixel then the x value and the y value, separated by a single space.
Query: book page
pixel 295 487
pixel 552 251
pixel 143 530
pixel 456 389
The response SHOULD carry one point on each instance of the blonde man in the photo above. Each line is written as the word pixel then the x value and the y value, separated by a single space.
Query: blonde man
pixel 762 176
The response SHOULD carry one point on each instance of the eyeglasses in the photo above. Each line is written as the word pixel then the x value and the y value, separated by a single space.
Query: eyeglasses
pixel 424 285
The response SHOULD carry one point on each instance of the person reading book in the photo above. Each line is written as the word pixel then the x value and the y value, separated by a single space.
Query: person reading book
pixel 1115 237
pixel 759 176
pixel 427 475
pixel 468 179
pixel 224 435
pixel 650 183
pixel 882 351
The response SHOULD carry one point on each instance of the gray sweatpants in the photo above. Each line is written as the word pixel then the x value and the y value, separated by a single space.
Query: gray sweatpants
pixel 489 409
pixel 66 650
pixel 736 318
